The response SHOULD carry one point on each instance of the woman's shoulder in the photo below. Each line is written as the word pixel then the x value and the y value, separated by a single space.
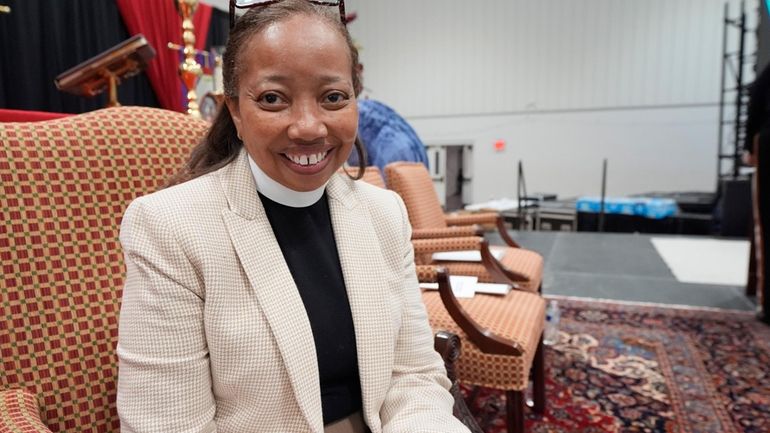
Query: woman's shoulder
pixel 371 196
pixel 192 197
pixel 384 207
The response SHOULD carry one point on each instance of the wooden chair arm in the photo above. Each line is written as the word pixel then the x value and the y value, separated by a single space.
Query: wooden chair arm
pixel 484 339
pixel 503 231
pixel 448 345
pixel 448 232
pixel 424 247
pixel 489 218
pixel 19 412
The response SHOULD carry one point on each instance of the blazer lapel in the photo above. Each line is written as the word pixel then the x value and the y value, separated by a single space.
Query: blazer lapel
pixel 262 261
pixel 361 260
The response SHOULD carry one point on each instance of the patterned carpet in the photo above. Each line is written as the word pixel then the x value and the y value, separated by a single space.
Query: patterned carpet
pixel 636 368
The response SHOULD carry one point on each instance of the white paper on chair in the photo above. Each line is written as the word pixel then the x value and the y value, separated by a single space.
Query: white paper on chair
pixel 462 286
pixel 467 256
pixel 493 288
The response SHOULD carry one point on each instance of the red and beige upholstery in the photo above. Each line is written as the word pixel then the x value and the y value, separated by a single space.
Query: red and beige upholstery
pixel 413 183
pixel 501 340
pixel 65 185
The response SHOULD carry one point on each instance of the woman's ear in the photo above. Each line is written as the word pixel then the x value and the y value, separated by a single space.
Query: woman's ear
pixel 235 113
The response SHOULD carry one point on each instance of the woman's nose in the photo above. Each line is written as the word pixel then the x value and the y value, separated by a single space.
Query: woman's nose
pixel 307 124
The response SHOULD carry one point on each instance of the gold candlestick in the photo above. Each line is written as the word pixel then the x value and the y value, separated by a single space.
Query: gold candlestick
pixel 189 70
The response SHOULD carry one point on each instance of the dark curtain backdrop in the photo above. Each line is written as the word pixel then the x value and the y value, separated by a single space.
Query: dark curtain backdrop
pixel 42 38
pixel 219 29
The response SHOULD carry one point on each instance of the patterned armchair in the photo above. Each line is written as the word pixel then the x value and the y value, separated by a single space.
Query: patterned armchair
pixel 65 186
pixel 413 183
pixel 501 340
pixel 501 337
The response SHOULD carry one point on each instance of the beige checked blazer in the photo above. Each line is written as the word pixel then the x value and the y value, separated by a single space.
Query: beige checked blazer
pixel 213 334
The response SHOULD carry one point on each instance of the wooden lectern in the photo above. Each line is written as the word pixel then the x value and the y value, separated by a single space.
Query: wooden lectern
pixel 105 70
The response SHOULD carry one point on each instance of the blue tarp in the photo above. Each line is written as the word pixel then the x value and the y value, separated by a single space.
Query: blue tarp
pixel 648 207
pixel 386 136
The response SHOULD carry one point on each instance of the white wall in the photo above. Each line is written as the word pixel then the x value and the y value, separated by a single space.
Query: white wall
pixel 647 150
pixel 564 83
pixel 219 4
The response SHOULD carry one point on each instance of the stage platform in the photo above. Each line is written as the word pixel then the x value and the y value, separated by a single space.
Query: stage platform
pixel 621 266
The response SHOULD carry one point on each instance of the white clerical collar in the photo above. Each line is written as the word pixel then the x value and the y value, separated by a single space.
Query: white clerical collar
pixel 282 194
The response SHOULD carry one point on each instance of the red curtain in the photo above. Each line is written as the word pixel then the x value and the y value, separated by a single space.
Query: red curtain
pixel 160 23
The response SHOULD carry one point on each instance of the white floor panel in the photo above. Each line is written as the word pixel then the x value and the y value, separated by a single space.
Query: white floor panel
pixel 705 261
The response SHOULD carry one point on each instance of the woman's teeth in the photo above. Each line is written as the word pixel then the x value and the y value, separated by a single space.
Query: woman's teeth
pixel 312 159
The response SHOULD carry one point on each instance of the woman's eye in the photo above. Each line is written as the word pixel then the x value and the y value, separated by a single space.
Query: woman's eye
pixel 336 98
pixel 270 99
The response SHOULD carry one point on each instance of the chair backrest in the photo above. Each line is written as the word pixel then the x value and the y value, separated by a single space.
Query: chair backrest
pixel 412 182
pixel 371 175
pixel 66 183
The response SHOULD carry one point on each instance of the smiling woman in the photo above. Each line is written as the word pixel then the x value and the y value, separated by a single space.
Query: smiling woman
pixel 295 109
pixel 265 292
pixel 225 140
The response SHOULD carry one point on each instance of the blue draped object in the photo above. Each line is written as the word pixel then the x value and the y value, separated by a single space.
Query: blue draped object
pixel 648 207
pixel 386 136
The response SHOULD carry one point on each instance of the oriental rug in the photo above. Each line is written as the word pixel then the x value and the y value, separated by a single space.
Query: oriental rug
pixel 621 367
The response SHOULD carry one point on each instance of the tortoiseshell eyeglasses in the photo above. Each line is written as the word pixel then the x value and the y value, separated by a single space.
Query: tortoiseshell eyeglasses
pixel 247 4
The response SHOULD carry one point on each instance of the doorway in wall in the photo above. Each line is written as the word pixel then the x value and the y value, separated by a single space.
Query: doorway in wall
pixel 450 166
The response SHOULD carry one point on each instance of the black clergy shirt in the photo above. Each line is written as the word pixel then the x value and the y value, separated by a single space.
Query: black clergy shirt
pixel 306 238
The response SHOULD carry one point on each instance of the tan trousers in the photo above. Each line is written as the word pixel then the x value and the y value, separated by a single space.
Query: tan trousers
pixel 352 424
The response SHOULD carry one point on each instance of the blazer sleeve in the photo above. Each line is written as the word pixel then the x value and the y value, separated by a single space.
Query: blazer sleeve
pixel 164 383
pixel 418 400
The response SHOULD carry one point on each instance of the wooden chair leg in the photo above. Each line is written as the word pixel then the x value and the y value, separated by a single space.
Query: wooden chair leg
pixel 515 402
pixel 538 379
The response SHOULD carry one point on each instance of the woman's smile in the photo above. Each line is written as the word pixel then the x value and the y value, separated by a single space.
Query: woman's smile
pixel 308 162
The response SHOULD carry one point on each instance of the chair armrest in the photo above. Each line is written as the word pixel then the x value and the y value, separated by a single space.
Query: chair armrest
pixel 486 340
pixel 447 232
pixel 425 246
pixel 503 231
pixel 19 412
pixel 488 218
pixel 455 219
pixel 448 344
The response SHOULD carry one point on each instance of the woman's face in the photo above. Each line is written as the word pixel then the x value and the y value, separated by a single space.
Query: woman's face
pixel 296 110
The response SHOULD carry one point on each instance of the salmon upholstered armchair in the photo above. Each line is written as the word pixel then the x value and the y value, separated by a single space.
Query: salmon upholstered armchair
pixel 501 336
pixel 501 340
pixel 432 241
pixel 66 183
pixel 413 183
pixel 371 175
